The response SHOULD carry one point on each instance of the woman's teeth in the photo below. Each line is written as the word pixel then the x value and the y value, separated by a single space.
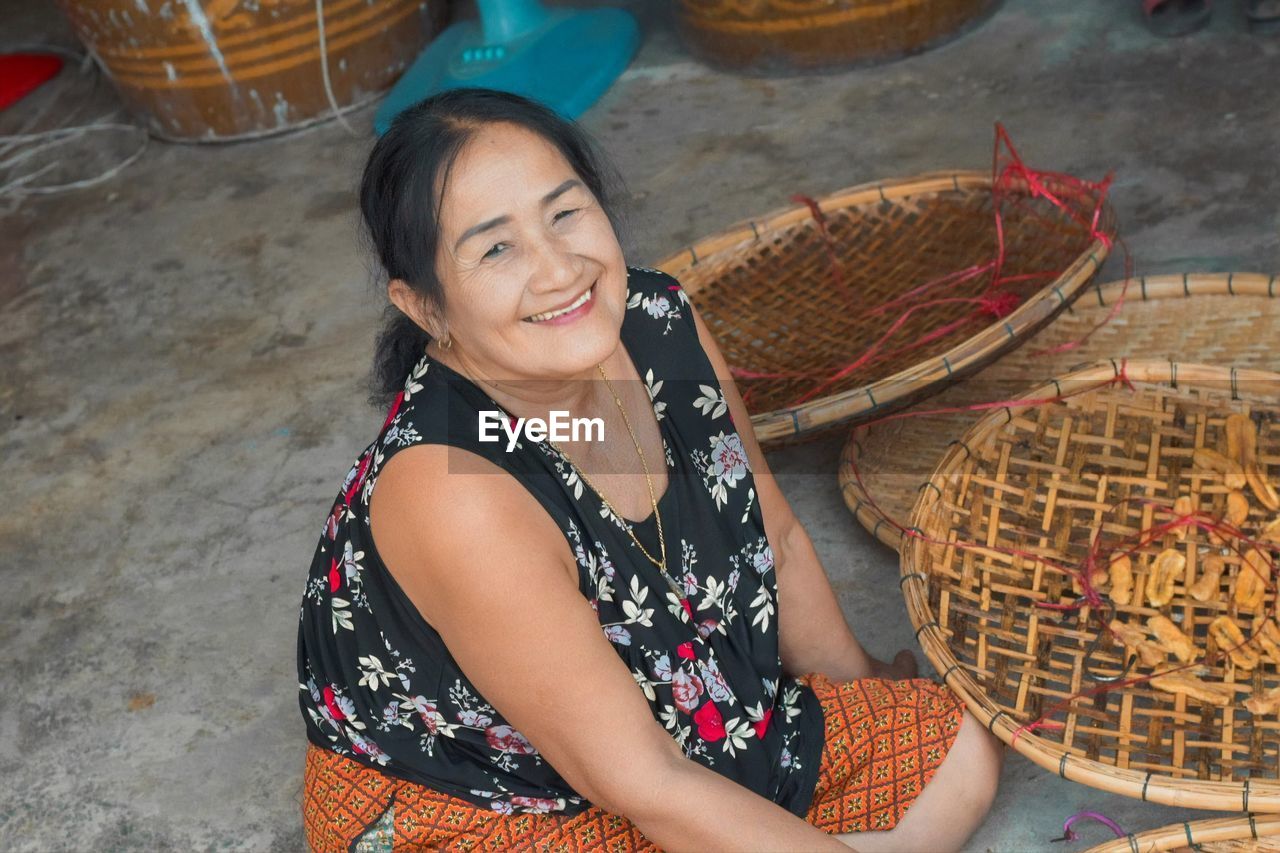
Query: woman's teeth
pixel 577 303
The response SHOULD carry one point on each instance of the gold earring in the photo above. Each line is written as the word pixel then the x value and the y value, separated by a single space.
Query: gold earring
pixel 446 343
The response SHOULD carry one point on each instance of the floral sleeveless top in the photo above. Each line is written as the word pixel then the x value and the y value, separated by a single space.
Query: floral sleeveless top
pixel 378 685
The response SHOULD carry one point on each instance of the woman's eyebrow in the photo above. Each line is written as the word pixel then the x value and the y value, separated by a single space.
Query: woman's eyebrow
pixel 560 190
pixel 503 220
pixel 479 229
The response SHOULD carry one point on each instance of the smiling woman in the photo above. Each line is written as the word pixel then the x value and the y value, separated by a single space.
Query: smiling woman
pixel 520 644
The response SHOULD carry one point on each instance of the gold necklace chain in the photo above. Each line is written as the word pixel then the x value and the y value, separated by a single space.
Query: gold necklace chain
pixel 662 542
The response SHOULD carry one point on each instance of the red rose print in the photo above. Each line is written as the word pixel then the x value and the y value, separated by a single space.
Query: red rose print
pixel 686 689
pixel 507 739
pixel 688 608
pixel 335 577
pixel 710 723
pixel 763 724
pixel 332 705
pixel 685 650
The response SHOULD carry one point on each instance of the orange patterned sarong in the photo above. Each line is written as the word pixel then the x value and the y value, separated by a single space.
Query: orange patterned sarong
pixel 884 741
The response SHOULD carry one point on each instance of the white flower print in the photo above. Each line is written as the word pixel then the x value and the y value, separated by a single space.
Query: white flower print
pixel 474 719
pixel 659 406
pixel 711 401
pixel 413 384
pixel 730 458
pixel 724 467
pixel 372 673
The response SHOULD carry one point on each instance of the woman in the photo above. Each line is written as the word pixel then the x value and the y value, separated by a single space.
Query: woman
pixel 574 641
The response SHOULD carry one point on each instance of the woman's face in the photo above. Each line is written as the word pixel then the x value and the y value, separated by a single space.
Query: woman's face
pixel 522 239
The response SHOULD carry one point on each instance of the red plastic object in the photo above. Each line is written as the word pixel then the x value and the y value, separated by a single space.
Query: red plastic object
pixel 21 73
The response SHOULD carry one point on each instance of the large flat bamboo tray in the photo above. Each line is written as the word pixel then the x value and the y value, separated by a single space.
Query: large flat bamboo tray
pixel 1242 834
pixel 1018 502
pixel 1220 318
pixel 768 293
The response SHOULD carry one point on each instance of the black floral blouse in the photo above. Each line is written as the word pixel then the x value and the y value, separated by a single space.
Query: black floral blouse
pixel 378 684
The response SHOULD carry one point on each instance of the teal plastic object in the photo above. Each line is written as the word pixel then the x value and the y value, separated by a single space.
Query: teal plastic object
pixel 564 58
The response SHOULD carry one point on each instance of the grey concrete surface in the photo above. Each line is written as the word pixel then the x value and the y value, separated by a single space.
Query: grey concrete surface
pixel 183 353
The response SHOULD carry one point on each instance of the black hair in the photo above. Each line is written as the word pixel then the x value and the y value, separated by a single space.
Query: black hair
pixel 401 211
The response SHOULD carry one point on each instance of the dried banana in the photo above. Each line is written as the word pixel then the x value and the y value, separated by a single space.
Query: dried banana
pixel 1271 533
pixel 1262 488
pixel 1267 703
pixel 1229 639
pixel 1182 507
pixel 1237 508
pixel 1098 577
pixel 1136 639
pixel 1268 638
pixel 1242 438
pixel 1166 570
pixel 1121 571
pixel 1232 471
pixel 1206 586
pixel 1212 693
pixel 1252 580
pixel 1171 639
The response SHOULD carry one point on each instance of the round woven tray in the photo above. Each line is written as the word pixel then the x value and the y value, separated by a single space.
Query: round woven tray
pixel 1243 834
pixel 1046 480
pixel 767 291
pixel 1226 318
pixel 786 35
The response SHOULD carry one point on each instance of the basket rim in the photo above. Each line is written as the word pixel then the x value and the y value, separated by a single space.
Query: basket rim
pixel 1189 833
pixel 991 341
pixel 1259 795
pixel 1145 288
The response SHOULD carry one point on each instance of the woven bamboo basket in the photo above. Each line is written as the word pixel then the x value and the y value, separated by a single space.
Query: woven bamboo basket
pixel 786 35
pixel 767 291
pixel 1221 318
pixel 1243 834
pixel 1046 480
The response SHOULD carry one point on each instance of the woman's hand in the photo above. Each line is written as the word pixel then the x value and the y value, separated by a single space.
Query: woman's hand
pixel 510 612
pixel 903 667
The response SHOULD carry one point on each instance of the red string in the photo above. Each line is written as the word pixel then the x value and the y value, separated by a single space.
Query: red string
pixel 1014 186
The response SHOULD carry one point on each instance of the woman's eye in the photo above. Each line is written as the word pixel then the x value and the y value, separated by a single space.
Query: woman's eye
pixel 562 214
pixel 495 251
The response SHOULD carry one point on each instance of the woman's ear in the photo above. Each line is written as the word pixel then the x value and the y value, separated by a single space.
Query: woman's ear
pixel 415 308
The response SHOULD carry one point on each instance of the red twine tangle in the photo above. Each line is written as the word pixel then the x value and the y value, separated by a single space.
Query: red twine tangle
pixel 1014 185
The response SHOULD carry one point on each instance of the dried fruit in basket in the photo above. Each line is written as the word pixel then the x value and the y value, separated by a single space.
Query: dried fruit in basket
pixel 1206 586
pixel 1182 508
pixel 1211 460
pixel 1252 580
pixel 1237 508
pixel 1171 639
pixel 1212 693
pixel 1268 637
pixel 1121 571
pixel 1262 488
pixel 1242 438
pixel 1228 637
pixel 1267 703
pixel 1166 571
pixel 1135 638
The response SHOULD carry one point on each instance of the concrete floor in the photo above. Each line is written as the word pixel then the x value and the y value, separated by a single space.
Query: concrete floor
pixel 184 348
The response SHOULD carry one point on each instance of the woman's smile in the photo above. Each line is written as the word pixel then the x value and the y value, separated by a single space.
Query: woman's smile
pixel 567 313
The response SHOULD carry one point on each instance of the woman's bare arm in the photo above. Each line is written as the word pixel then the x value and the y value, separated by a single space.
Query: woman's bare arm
pixel 490 571
pixel 813 633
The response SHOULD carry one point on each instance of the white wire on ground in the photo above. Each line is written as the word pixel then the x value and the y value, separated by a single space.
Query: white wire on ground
pixel 18 148
pixel 324 72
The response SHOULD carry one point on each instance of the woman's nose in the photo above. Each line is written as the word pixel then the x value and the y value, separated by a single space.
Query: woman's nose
pixel 558 266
